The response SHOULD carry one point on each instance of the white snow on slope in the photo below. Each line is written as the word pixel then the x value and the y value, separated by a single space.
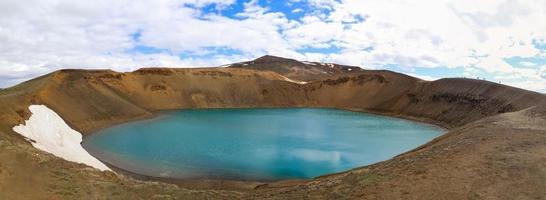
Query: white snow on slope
pixel 308 63
pixel 293 81
pixel 48 132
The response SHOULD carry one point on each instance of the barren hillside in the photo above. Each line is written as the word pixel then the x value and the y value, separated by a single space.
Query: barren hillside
pixel 495 147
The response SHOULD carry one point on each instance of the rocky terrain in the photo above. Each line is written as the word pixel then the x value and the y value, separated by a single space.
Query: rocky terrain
pixel 495 147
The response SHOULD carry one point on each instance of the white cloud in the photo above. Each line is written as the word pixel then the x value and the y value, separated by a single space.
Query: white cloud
pixel 297 10
pixel 527 64
pixel 37 37
pixel 435 33
pixel 325 4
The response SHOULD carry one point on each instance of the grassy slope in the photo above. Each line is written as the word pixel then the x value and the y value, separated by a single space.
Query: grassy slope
pixel 89 100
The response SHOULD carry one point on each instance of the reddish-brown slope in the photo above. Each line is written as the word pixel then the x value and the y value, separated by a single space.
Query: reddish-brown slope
pixel 479 151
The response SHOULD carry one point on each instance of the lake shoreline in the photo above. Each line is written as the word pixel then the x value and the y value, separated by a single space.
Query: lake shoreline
pixel 236 181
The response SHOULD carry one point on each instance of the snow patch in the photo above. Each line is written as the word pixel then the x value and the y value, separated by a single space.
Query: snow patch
pixel 331 65
pixel 308 63
pixel 48 132
pixel 293 81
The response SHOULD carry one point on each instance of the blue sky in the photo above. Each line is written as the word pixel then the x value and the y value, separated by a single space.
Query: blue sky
pixel 499 40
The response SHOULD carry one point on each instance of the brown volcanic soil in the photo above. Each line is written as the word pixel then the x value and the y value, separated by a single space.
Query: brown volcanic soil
pixel 495 149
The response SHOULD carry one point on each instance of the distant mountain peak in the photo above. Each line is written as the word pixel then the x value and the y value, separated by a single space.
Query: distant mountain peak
pixel 294 69
pixel 271 57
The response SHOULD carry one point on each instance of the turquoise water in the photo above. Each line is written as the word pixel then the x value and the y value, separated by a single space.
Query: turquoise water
pixel 255 144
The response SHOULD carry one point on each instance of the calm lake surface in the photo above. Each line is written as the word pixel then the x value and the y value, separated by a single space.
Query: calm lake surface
pixel 256 144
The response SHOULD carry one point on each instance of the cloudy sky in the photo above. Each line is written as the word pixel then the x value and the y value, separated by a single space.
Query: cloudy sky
pixel 501 41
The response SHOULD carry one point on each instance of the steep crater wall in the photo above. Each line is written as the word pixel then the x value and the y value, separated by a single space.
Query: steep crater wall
pixel 491 125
